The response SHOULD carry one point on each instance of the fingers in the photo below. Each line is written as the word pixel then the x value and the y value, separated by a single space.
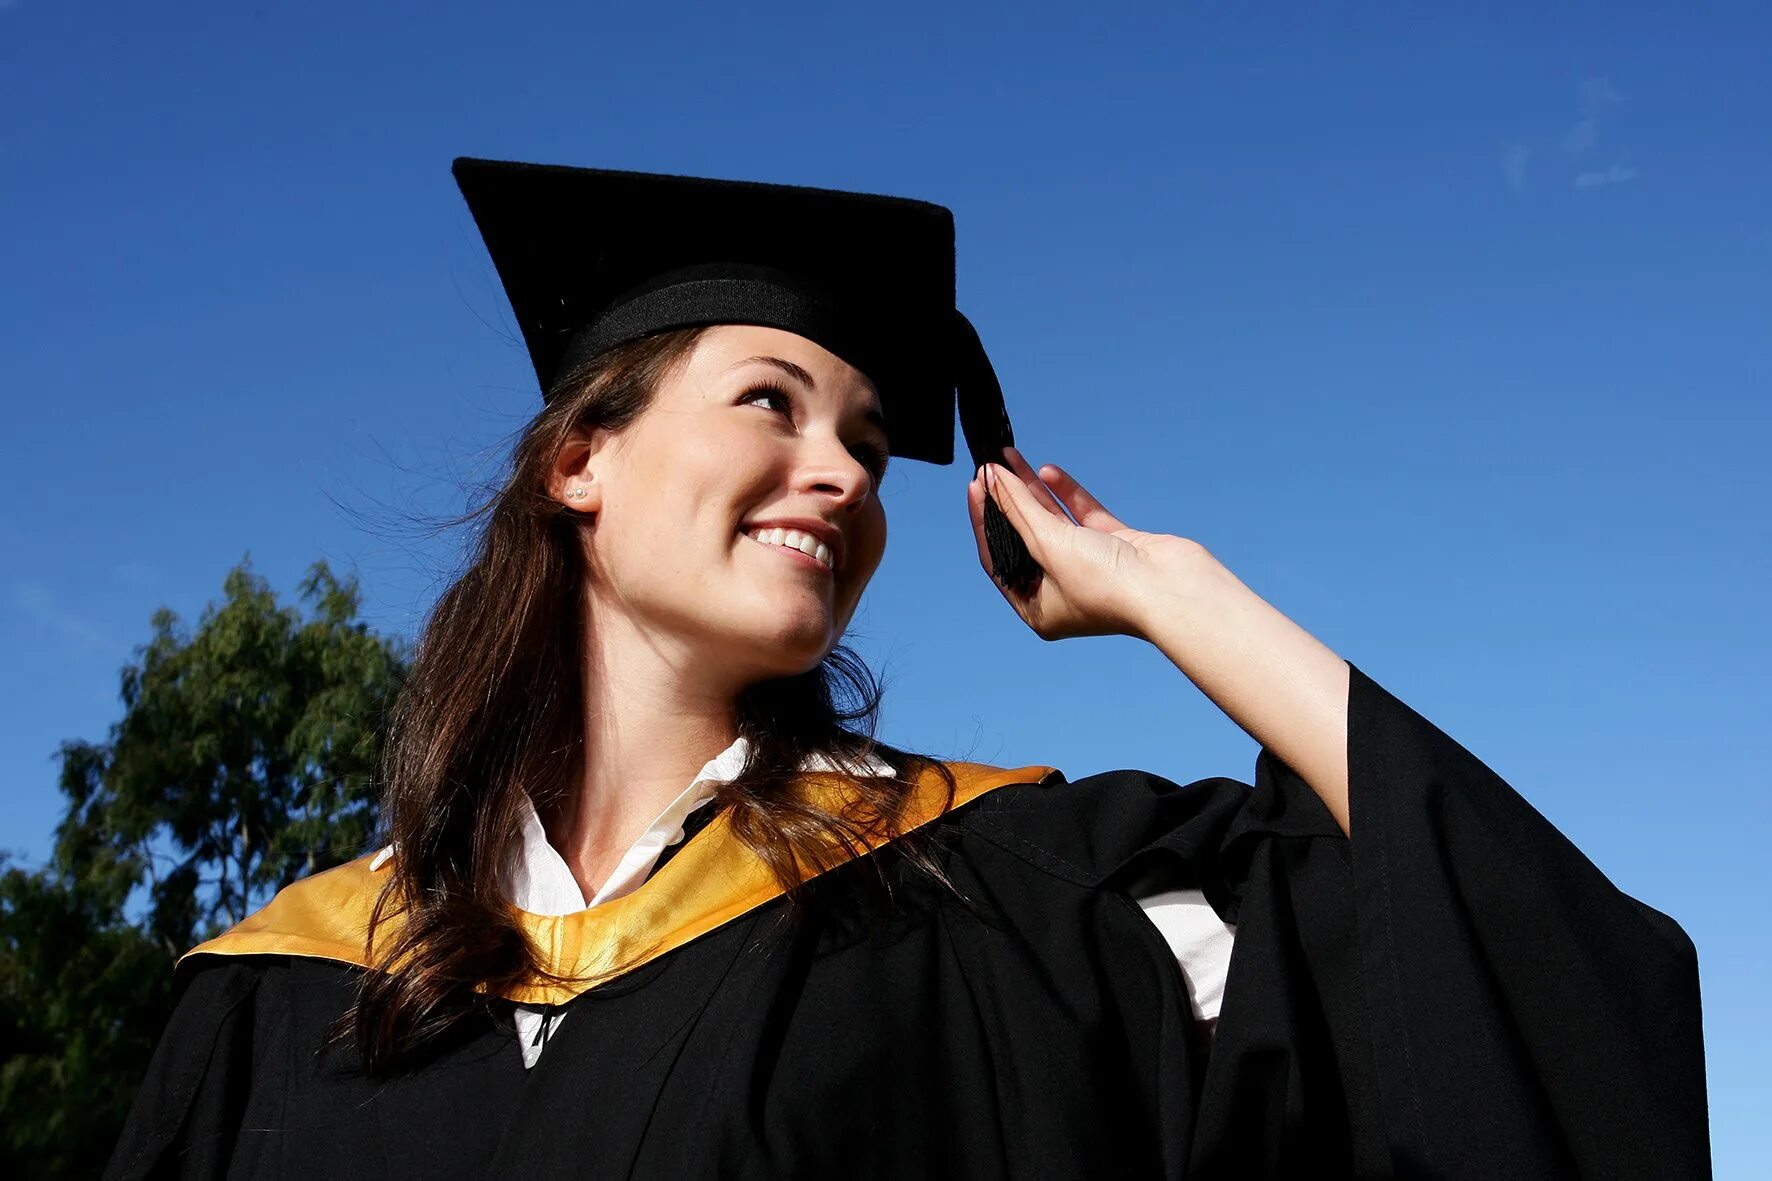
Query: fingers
pixel 1084 507
pixel 1061 492
pixel 1029 517
pixel 1043 495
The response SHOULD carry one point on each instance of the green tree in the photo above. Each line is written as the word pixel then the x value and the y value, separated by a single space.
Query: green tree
pixel 244 760
pixel 83 994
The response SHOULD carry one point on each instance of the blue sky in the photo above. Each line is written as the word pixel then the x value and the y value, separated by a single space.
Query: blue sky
pixel 1447 333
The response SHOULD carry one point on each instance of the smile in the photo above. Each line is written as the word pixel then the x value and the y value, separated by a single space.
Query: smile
pixel 793 545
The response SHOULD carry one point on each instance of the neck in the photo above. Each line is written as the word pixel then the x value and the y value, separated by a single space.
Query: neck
pixel 653 718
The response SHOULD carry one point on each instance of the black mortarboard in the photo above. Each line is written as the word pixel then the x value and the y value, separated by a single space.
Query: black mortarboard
pixel 592 258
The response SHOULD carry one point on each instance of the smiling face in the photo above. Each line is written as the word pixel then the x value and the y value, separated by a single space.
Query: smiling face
pixel 755 426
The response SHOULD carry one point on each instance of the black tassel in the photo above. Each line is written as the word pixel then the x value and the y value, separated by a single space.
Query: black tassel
pixel 1014 565
pixel 985 422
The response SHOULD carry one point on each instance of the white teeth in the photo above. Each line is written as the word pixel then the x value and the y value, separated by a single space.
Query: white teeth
pixel 794 539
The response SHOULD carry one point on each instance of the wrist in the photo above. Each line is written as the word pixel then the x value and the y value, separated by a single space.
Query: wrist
pixel 1178 590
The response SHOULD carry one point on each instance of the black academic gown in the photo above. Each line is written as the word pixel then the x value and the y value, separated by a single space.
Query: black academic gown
pixel 1455 992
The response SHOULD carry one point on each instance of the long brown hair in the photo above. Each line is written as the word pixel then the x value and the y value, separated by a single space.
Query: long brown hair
pixel 493 709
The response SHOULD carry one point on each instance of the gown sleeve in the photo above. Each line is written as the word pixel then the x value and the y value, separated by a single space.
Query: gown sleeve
pixel 1496 1007
pixel 1456 991
pixel 189 1106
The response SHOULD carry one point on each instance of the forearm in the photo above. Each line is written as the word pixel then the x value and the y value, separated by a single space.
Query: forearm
pixel 1282 685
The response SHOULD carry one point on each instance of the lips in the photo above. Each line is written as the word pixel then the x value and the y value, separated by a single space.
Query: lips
pixel 815 527
pixel 798 556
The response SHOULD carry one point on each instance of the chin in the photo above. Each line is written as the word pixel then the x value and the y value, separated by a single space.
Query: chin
pixel 785 634
pixel 791 651
pixel 797 654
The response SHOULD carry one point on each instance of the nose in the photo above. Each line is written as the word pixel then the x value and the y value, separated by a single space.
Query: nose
pixel 832 471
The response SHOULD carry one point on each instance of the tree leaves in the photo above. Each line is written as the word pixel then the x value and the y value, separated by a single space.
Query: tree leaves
pixel 83 995
pixel 244 759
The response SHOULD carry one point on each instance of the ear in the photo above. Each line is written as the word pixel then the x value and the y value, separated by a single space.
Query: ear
pixel 574 481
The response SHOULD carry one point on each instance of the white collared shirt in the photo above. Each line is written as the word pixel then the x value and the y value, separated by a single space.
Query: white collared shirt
pixel 538 880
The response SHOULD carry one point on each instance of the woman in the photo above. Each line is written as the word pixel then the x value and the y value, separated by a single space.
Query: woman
pixel 827 956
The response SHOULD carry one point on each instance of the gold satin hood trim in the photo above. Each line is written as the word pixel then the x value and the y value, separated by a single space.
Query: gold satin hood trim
pixel 712 880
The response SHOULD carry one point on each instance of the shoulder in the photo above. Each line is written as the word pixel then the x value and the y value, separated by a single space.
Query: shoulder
pixel 1087 831
pixel 325 916
pixel 239 1021
pixel 972 781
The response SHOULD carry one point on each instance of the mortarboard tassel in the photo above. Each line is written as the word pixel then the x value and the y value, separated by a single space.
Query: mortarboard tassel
pixel 985 421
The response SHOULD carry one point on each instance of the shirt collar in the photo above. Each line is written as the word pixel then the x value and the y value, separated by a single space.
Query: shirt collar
pixel 538 879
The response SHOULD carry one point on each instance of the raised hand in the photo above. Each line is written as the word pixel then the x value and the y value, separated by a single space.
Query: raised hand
pixel 1097 571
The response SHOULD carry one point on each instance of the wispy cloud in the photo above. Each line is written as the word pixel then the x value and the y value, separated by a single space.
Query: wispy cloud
pixel 1572 154
pixel 1513 165
pixel 1616 175
pixel 1598 99
pixel 1582 135
pixel 39 603
pixel 1597 94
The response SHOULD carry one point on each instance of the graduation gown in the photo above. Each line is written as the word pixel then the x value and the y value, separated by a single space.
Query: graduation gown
pixel 1454 992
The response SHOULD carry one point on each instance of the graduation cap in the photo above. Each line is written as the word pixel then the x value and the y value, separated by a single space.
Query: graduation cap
pixel 592 258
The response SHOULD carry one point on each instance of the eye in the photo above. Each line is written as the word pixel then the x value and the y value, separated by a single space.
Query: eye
pixel 873 456
pixel 773 391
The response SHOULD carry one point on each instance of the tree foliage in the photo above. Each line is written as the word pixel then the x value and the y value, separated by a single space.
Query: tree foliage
pixel 244 757
pixel 83 994
pixel 244 760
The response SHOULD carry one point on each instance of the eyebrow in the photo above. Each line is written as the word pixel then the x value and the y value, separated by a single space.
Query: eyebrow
pixel 873 416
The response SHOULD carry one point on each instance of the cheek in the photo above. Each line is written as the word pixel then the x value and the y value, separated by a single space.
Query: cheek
pixel 683 488
pixel 877 536
pixel 870 549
